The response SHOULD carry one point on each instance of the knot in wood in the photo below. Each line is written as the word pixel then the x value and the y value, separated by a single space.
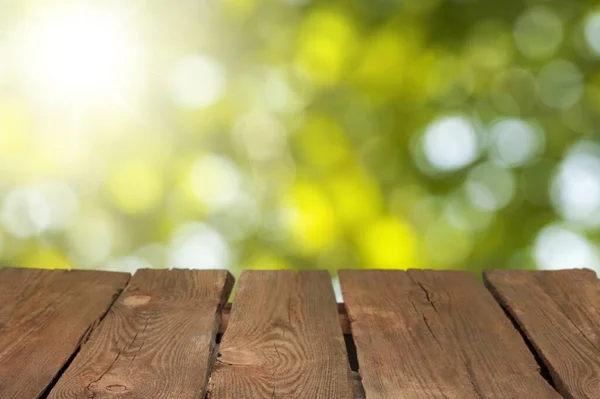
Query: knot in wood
pixel 111 384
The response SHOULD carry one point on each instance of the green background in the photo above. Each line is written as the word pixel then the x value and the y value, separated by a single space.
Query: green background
pixel 313 134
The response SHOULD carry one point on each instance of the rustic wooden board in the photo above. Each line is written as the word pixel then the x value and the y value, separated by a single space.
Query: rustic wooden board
pixel 559 311
pixel 432 334
pixel 344 323
pixel 44 317
pixel 156 342
pixel 283 340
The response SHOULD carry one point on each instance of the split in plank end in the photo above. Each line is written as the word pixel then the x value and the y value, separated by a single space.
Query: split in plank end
pixel 45 315
pixel 436 334
pixel 558 311
pixel 157 341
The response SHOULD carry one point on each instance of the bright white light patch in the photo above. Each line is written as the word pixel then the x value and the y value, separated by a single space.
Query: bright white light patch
pixel 592 32
pixel 26 212
pixel 3 65
pixel 514 142
pixel 76 54
pixel 215 181
pixel 576 186
pixel 262 135
pixel 559 248
pixel 91 240
pixel 450 143
pixel 197 82
pixel 32 210
pixel 198 246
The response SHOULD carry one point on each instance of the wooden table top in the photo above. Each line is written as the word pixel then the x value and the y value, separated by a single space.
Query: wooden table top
pixel 399 334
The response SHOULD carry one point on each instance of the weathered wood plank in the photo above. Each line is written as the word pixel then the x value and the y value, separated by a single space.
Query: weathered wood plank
pixel 283 340
pixel 431 334
pixel 44 316
pixel 344 323
pixel 559 312
pixel 156 342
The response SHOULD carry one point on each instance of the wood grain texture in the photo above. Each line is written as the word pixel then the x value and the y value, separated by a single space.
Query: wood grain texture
pixel 155 342
pixel 431 334
pixel 44 317
pixel 559 312
pixel 283 340
pixel 344 323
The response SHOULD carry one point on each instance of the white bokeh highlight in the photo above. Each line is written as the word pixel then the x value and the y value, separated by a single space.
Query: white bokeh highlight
pixel 591 32
pixel 557 247
pixel 91 240
pixel 514 142
pixel 25 213
pixel 450 143
pixel 575 189
pixel 197 81
pixel 216 181
pixel 262 135
pixel 198 246
pixel 32 210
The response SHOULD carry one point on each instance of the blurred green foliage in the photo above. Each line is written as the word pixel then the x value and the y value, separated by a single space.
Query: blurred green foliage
pixel 296 133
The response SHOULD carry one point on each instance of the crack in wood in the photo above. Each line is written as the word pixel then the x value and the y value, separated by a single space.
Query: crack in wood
pixel 82 341
pixel 543 371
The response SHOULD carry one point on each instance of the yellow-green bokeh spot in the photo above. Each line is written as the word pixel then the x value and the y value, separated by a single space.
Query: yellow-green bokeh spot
pixel 310 218
pixel 324 144
pixel 388 243
pixel 327 43
pixel 135 186
pixel 44 258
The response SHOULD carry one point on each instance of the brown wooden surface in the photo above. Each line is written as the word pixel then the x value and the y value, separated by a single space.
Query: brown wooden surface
pixel 44 316
pixel 559 311
pixel 344 322
pixel 156 341
pixel 430 334
pixel 283 340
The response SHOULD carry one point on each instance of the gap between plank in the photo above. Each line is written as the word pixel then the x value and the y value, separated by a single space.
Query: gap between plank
pixel 543 370
pixel 354 367
pixel 348 339
pixel 84 338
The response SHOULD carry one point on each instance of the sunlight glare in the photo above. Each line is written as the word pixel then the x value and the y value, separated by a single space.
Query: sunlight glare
pixel 78 54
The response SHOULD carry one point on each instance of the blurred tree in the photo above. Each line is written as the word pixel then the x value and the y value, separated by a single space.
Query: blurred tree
pixel 296 133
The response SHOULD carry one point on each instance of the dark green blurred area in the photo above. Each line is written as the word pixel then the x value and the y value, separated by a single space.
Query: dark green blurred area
pixel 300 134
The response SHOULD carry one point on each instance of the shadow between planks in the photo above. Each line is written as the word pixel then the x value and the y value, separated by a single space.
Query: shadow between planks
pixel 97 363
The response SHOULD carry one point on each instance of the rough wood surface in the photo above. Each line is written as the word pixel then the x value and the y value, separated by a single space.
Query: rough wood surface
pixel 344 323
pixel 155 342
pixel 283 340
pixel 431 334
pixel 559 311
pixel 44 316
